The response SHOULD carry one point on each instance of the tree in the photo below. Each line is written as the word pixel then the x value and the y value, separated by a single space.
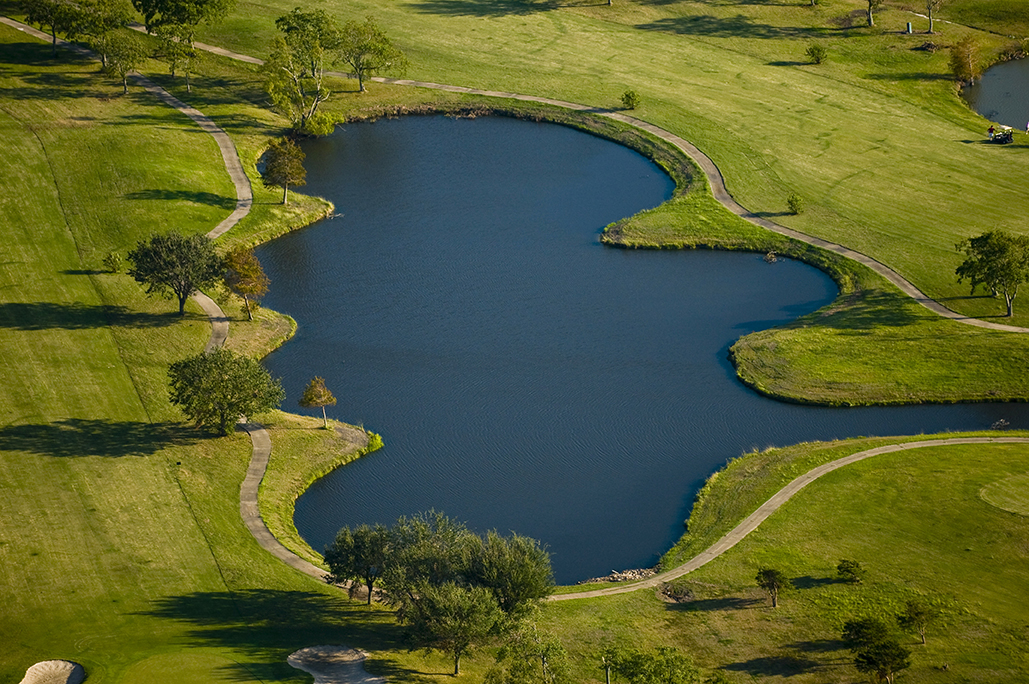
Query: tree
pixel 125 54
pixel 998 260
pixel 663 665
pixel 294 71
pixel 872 6
pixel 100 19
pixel 631 99
pixel 316 395
pixel 177 50
pixel 284 166
pixel 864 632
pixel 453 619
pixel 516 569
pixel 181 16
pixel 529 655
pixel 883 660
pixel 175 264
pixel 964 60
pixel 850 571
pixel 917 616
pixel 367 51
pixel 217 388
pixel 930 7
pixel 773 581
pixel 817 54
pixel 59 16
pixel 245 277
pixel 358 555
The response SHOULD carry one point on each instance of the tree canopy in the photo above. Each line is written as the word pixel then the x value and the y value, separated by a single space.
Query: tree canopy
pixel 366 49
pixel 317 395
pixel 916 617
pixel 182 17
pixel 454 619
pixel 245 277
pixel 358 556
pixel 998 260
pixel 59 16
pixel 175 265
pixel 773 581
pixel 217 388
pixel 284 166
pixel 125 53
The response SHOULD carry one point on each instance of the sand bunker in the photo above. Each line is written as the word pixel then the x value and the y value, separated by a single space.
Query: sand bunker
pixel 54 672
pixel 333 665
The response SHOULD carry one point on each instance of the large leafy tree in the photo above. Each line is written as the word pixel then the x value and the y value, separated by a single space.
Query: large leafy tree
pixel 295 70
pixel 99 21
pixel 883 660
pixel 173 264
pixel 860 633
pixel 366 49
pixel 217 388
pixel 284 166
pixel 774 582
pixel 245 277
pixel 516 569
pixel 454 619
pixel 358 555
pixel 998 260
pixel 58 16
pixel 181 16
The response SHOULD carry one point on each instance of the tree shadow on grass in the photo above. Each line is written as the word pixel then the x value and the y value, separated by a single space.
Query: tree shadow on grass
pixel 817 646
pixel 486 8
pixel 809 582
pixel 197 197
pixel 728 27
pixel 75 316
pixel 726 603
pixel 784 665
pixel 269 624
pixel 79 437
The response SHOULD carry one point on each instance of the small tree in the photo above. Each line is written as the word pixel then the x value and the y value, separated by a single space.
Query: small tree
pixel 175 264
pixel 245 277
pixel 59 16
pixel 917 616
pixel 773 581
pixel 219 387
pixel 125 54
pixel 529 655
pixel 964 60
pixel 367 51
pixel 817 54
pixel 930 7
pixel 284 166
pixel 872 6
pixel 316 395
pixel 883 660
pixel 998 260
pixel 850 571
pixel 177 51
pixel 795 202
pixel 112 262
pixel 631 99
pixel 453 619
pixel 358 556
pixel 100 19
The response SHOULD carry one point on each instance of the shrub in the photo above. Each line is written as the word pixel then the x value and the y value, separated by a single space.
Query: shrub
pixel 630 99
pixel 817 53
pixel 795 203
pixel 112 262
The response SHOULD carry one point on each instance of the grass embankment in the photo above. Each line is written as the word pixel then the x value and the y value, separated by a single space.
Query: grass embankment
pixel 121 545
pixel 914 519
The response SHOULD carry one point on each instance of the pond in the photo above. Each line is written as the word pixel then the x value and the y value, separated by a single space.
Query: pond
pixel 1002 94
pixel 523 376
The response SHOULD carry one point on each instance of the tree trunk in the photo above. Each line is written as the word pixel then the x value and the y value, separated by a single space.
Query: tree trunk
pixel 246 302
pixel 125 84
pixel 285 189
pixel 775 599
pixel 930 13
pixel 189 88
pixel 182 304
pixel 457 664
pixel 921 633
pixel 871 21
pixel 607 673
pixel 325 425
pixel 53 44
pixel 370 584
pixel 1010 299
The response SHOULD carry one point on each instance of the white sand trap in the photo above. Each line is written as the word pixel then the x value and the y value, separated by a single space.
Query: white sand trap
pixel 54 672
pixel 333 665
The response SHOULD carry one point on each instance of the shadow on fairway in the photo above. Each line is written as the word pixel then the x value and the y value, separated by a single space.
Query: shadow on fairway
pixel 196 197
pixel 786 665
pixel 726 603
pixel 729 27
pixel 50 316
pixel 486 8
pixel 258 622
pixel 79 437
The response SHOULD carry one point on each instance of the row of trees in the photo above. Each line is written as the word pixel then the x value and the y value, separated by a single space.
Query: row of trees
pixel 311 41
pixel 451 588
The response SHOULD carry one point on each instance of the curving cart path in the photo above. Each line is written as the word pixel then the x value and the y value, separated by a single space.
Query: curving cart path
pixel 261 453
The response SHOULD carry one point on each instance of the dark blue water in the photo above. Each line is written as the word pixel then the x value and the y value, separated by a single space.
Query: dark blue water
pixel 523 376
pixel 1002 94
